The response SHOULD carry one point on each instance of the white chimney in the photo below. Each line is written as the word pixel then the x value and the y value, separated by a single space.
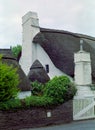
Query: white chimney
pixel 30 25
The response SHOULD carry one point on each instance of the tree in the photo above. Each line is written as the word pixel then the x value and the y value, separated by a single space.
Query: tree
pixel 16 50
pixel 9 80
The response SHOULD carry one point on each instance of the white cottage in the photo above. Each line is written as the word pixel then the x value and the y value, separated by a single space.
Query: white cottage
pixel 55 53
pixel 54 49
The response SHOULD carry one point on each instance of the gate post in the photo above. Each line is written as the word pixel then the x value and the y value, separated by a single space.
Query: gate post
pixel 83 80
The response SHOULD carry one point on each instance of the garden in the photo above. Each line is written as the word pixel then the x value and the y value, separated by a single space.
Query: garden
pixel 54 92
pixel 49 103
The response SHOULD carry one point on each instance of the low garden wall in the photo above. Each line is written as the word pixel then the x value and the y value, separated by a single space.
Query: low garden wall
pixel 36 117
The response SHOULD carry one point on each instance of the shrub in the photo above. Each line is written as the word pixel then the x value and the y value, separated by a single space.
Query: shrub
pixel 38 101
pixel 55 92
pixel 70 91
pixel 10 104
pixel 9 80
pixel 37 88
pixel 60 89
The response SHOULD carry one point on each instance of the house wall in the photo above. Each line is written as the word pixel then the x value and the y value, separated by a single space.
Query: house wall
pixel 24 94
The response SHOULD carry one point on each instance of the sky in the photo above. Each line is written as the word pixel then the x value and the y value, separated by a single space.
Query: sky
pixel 76 16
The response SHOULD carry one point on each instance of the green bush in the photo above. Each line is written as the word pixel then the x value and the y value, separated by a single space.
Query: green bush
pixel 60 89
pixel 37 88
pixel 56 91
pixel 38 101
pixel 70 91
pixel 10 104
pixel 9 80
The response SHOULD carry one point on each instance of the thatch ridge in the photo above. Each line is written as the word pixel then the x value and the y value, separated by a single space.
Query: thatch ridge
pixel 78 35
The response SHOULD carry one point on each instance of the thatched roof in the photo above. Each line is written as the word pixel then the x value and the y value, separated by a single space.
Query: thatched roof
pixel 6 53
pixel 37 72
pixel 61 46
pixel 10 60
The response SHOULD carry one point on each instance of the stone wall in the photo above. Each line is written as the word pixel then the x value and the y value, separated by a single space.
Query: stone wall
pixel 36 117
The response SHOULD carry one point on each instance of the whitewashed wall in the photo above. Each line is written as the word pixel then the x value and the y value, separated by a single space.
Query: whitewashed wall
pixel 43 57
pixel 24 94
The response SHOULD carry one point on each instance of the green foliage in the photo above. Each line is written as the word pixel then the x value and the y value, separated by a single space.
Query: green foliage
pixel 60 89
pixel 10 104
pixel 70 91
pixel 32 101
pixel 38 101
pixel 37 88
pixel 16 50
pixel 9 80
pixel 56 91
pixel 1 57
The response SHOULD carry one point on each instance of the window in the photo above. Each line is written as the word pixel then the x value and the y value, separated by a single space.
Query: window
pixel 47 68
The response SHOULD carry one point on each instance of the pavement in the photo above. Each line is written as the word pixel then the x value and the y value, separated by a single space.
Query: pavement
pixel 76 125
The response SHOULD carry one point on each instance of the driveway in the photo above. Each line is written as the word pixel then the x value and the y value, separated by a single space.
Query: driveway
pixel 77 125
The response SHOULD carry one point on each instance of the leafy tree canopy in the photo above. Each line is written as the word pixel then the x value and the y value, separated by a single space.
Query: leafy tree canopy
pixel 16 50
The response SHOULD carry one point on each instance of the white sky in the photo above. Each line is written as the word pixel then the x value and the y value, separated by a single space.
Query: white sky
pixel 72 15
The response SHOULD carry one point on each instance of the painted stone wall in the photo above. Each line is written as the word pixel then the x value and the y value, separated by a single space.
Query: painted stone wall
pixel 36 117
pixel 45 59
